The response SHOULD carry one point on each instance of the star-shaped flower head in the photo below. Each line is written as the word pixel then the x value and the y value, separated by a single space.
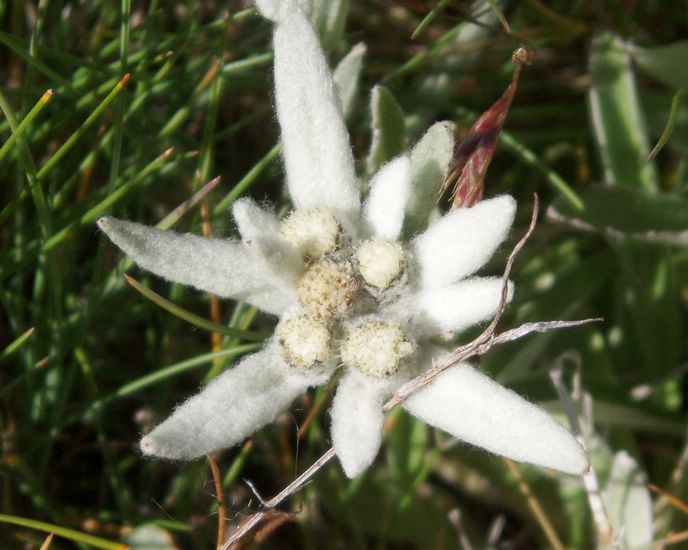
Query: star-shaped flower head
pixel 348 288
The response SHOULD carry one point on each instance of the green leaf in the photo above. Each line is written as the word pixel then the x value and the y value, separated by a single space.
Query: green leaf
pixel 648 294
pixel 329 16
pixel 647 288
pixel 406 446
pixel 628 503
pixel 389 128
pixel 373 510
pixel 561 288
pixel 610 413
pixel 346 76
pixel 617 117
pixel 626 210
pixel 665 63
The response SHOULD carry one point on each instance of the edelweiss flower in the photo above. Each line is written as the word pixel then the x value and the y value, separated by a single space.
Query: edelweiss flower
pixel 347 289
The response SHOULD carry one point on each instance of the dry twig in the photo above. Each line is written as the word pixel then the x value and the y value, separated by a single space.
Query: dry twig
pixel 219 495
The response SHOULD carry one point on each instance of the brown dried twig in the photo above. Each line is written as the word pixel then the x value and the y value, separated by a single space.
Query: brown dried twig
pixel 220 497
pixel 483 343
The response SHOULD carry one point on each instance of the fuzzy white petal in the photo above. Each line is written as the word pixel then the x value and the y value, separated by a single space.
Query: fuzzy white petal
pixel 219 266
pixel 253 221
pixel 430 159
pixel 357 420
pixel 233 406
pixel 281 263
pixel 472 407
pixel 454 307
pixel 277 10
pixel 389 193
pixel 317 154
pixel 462 241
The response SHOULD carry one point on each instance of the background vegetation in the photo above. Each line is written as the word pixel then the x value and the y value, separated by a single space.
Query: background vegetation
pixel 87 363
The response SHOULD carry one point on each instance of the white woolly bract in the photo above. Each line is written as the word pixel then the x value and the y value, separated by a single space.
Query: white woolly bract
pixel 233 406
pixel 317 154
pixel 430 159
pixel 462 241
pixel 219 266
pixel 454 307
pixel 474 408
pixel 389 194
pixel 357 420
pixel 276 10
pixel 253 221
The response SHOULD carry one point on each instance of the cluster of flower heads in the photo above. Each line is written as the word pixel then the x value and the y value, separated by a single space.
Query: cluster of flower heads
pixel 354 285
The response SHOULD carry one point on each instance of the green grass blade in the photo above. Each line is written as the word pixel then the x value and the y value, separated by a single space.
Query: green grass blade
pixel 429 18
pixel 17 343
pixel 70 534
pixel 30 169
pixel 205 157
pixel 64 149
pixel 125 16
pixel 176 214
pixel 669 128
pixel 15 45
pixel 96 211
pixel 166 373
pixel 99 209
pixel 193 318
pixel 242 65
pixel 248 180
pixel 32 114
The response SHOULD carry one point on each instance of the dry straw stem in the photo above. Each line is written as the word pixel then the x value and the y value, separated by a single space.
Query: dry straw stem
pixel 481 345
pixel 47 542
pixel 534 505
pixel 454 518
pixel 220 497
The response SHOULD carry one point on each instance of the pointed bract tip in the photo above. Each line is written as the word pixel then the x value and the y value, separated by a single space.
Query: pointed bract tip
pixel 577 461
pixel 148 446
pixel 504 203
pixel 277 10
